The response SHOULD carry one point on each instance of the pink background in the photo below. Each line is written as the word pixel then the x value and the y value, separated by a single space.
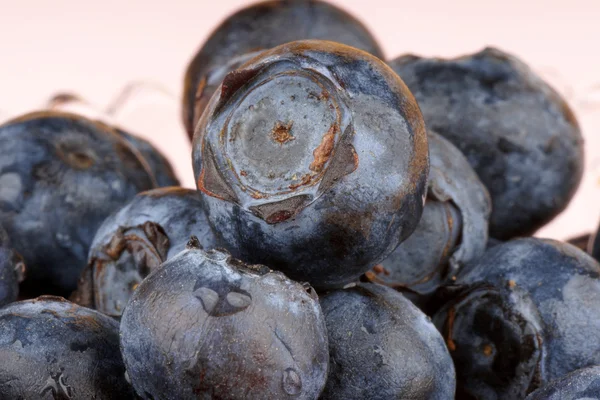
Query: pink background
pixel 96 48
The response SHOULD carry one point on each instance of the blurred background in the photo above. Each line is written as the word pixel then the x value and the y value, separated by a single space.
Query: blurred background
pixel 127 60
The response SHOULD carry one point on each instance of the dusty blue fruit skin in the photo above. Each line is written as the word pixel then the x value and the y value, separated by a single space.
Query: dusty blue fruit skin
pixel 12 270
pixel 60 176
pixel 153 227
pixel 158 163
pixel 517 132
pixel 313 160
pixel 259 27
pixel 522 315
pixel 54 349
pixel 212 327
pixel 381 346
pixel 583 384
pixel 453 229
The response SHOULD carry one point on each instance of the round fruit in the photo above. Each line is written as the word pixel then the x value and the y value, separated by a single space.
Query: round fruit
pixel 383 347
pixel 517 132
pixel 212 327
pixel 60 176
pixel 313 160
pixel 522 315
pixel 53 349
pixel 153 227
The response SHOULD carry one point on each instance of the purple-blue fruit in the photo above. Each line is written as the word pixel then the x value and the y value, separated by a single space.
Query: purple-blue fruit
pixel 381 346
pixel 522 315
pixel 60 176
pixel 135 240
pixel 205 325
pixel 53 349
pixel 518 133
pixel 312 159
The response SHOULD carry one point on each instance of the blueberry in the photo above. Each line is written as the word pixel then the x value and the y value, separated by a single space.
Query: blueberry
pixel 382 347
pixel 158 163
pixel 135 240
pixel 60 176
pixel 12 270
pixel 516 131
pixel 523 314
pixel 583 384
pixel 453 228
pixel 53 349
pixel 313 160
pixel 258 27
pixel 205 325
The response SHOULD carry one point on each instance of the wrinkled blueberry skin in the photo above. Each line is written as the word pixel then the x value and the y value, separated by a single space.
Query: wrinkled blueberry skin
pixel 259 27
pixel 159 165
pixel 583 384
pixel 12 270
pixel 518 134
pixel 453 229
pixel 212 327
pixel 155 226
pixel 381 346
pixel 522 315
pixel 54 349
pixel 313 160
pixel 60 176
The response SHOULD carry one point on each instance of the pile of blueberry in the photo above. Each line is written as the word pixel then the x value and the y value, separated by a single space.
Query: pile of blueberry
pixel 360 230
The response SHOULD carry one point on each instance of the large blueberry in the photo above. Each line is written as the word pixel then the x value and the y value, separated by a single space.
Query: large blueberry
pixel 258 27
pixel 383 347
pixel 453 229
pixel 53 349
pixel 60 176
pixel 313 159
pixel 523 314
pixel 516 131
pixel 204 325
pixel 130 243
pixel 12 270
pixel 583 384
